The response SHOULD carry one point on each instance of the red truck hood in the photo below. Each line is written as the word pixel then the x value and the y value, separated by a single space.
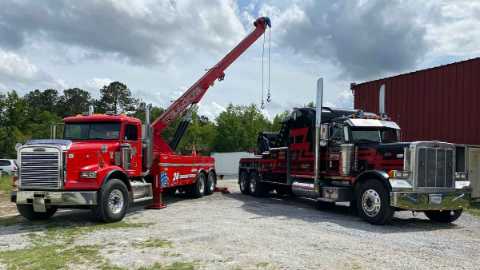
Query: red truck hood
pixel 82 155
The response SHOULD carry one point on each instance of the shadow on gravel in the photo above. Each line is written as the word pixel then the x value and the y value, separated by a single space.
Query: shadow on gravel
pixel 72 218
pixel 307 210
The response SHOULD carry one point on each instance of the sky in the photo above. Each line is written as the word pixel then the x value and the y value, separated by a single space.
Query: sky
pixel 160 47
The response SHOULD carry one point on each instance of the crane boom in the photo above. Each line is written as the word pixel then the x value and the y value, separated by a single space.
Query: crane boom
pixel 195 93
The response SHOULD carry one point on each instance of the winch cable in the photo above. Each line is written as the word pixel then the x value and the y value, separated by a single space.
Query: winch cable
pixel 262 103
pixel 268 84
pixel 269 65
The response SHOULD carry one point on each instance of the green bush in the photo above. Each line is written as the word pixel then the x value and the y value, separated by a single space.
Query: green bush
pixel 5 183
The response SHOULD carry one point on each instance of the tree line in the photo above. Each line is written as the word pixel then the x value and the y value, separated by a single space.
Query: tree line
pixel 31 116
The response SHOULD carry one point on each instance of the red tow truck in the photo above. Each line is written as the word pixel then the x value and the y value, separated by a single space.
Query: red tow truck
pixel 107 162
pixel 334 155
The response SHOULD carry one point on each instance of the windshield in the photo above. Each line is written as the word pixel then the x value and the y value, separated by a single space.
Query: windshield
pixel 92 131
pixel 375 135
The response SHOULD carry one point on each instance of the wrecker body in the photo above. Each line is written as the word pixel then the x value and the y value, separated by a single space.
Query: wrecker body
pixel 106 162
pixel 333 155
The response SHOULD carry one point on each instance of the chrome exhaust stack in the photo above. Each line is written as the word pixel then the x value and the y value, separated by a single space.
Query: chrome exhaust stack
pixel 90 110
pixel 381 101
pixel 147 139
pixel 318 125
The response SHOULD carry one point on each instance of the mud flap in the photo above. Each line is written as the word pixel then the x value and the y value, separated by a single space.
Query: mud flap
pixel 39 204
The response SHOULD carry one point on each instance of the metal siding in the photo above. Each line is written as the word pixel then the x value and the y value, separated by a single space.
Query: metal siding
pixel 440 103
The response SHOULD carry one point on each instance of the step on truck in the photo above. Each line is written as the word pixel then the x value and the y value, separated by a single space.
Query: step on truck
pixel 333 155
pixel 107 162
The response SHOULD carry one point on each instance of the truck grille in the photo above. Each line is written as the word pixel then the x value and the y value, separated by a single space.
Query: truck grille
pixel 435 168
pixel 40 170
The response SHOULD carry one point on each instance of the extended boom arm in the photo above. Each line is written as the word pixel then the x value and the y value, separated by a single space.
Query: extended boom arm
pixel 195 93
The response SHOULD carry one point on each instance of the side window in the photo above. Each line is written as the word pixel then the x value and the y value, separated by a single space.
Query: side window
pixel 131 133
pixel 4 163
pixel 337 133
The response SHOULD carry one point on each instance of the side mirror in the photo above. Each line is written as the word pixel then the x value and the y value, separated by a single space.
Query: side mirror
pixel 324 134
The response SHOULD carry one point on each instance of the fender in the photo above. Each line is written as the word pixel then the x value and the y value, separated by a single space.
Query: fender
pixel 376 174
pixel 120 174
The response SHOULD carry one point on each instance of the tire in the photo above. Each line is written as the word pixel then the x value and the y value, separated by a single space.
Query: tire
pixel 113 202
pixel 197 190
pixel 26 210
pixel 447 216
pixel 373 202
pixel 255 186
pixel 243 183
pixel 211 183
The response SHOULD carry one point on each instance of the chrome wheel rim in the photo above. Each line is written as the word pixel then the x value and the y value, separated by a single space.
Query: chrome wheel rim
pixel 371 203
pixel 211 183
pixel 253 184
pixel 116 201
pixel 201 184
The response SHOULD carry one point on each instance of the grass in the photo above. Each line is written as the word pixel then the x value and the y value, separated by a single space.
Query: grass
pixel 53 247
pixel 6 183
pixel 154 243
pixel 265 265
pixel 474 209
pixel 173 266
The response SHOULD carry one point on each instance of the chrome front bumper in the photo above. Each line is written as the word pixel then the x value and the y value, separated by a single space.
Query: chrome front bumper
pixel 40 199
pixel 417 201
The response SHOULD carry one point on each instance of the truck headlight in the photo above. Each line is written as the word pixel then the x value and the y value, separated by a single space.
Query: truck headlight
pixel 460 175
pixel 462 184
pixel 88 174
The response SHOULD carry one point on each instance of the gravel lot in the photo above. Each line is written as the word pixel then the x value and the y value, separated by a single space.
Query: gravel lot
pixel 234 231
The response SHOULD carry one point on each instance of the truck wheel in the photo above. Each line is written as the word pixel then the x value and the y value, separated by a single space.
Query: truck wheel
pixel 211 183
pixel 373 202
pixel 26 210
pixel 113 202
pixel 255 186
pixel 243 182
pixel 198 188
pixel 448 216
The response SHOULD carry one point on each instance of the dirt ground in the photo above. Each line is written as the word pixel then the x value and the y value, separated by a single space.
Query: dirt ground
pixel 235 231
pixel 6 208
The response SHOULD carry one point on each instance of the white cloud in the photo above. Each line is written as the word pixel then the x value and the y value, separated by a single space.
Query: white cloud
pixel 17 72
pixel 142 32
pixel 452 28
pixel 210 109
pixel 98 83
pixel 364 39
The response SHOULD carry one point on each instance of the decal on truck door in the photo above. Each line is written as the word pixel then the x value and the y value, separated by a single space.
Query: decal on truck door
pixel 164 179
pixel 177 176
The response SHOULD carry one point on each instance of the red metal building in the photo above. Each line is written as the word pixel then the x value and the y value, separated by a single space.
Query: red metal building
pixel 440 103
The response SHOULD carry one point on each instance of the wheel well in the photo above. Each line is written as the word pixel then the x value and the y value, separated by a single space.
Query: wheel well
pixel 380 176
pixel 120 176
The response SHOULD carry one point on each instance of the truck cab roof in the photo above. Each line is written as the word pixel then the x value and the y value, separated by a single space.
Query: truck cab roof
pixel 102 118
pixel 354 118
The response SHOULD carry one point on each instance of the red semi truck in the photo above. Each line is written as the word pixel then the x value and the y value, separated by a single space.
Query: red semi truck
pixel 106 162
pixel 332 155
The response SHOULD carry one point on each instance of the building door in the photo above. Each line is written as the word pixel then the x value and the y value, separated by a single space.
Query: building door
pixel 474 171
